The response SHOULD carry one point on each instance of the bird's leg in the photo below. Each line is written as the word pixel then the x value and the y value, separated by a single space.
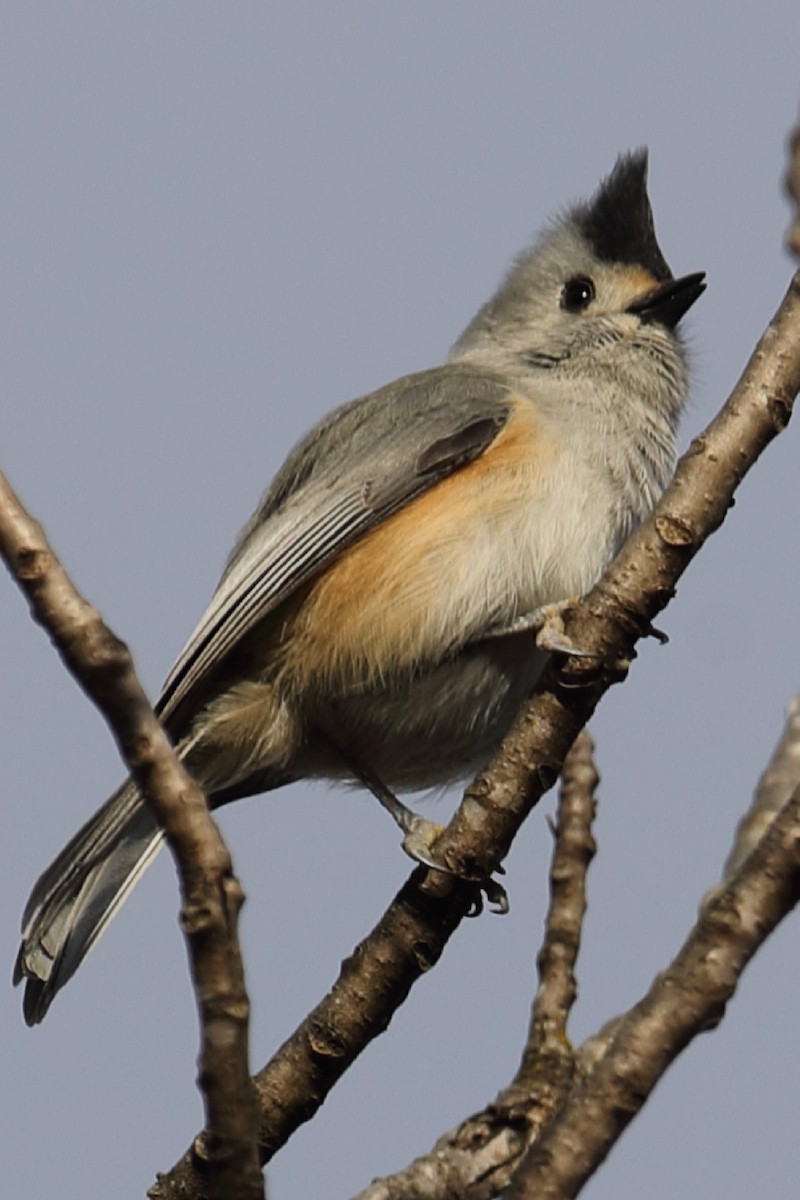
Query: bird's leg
pixel 420 834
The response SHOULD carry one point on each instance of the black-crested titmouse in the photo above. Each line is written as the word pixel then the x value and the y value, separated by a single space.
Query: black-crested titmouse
pixel 374 621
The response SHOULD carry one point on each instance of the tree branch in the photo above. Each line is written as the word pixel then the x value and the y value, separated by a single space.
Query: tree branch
pixel 225 1155
pixel 621 607
pixel 688 998
pixel 573 852
pixel 414 930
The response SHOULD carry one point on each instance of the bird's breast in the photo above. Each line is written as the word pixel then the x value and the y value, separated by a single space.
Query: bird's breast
pixel 511 531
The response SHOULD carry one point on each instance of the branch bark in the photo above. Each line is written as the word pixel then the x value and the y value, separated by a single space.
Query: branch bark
pixel 224 1157
pixel 414 930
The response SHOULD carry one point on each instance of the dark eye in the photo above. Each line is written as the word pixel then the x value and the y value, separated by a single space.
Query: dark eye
pixel 577 293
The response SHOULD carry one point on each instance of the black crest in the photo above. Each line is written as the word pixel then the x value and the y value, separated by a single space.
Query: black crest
pixel 618 220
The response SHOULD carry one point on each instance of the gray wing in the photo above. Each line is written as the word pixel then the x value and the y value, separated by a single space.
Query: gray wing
pixel 353 470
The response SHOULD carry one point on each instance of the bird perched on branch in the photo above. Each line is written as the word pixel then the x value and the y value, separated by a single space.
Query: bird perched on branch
pixel 376 620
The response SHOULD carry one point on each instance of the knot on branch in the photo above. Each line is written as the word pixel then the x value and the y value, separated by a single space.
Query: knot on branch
pixel 780 409
pixel 674 531
pixel 32 563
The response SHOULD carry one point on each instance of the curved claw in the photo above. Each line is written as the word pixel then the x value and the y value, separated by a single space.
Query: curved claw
pixel 559 643
pixel 496 896
pixel 551 635
pixel 547 623
pixel 420 836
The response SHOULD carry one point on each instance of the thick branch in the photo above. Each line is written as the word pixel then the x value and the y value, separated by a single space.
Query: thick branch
pixel 415 928
pixel 212 897
pixel 631 593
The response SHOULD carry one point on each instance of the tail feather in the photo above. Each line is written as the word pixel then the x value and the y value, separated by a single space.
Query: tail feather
pixel 79 893
pixel 81 890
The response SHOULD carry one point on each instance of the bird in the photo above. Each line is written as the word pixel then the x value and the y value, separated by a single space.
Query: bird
pixel 376 621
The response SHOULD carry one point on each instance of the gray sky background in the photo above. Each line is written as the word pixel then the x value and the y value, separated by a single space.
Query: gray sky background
pixel 219 221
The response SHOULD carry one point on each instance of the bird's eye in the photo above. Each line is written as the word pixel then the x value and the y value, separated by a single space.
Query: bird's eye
pixel 577 293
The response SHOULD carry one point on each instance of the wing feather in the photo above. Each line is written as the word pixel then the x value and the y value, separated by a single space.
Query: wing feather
pixel 350 473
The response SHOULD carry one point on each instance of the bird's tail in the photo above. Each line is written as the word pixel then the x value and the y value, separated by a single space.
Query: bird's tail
pixel 79 893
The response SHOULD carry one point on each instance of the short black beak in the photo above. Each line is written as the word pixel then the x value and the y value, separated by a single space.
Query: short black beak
pixel 668 302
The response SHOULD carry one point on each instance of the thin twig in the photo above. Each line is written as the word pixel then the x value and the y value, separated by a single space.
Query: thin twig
pixel 100 662
pixel 683 1001
pixel 781 776
pixel 793 189
pixel 772 795
pixel 573 852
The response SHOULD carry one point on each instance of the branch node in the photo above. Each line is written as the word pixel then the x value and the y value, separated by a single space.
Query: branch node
pixel 675 531
pixel 779 405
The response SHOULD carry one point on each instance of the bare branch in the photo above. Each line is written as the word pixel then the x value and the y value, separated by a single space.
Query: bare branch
pixel 778 783
pixel 686 999
pixel 225 1154
pixel 573 852
pixel 415 929
pixel 413 932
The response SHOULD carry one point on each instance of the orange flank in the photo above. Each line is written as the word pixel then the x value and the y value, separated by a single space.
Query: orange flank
pixel 384 605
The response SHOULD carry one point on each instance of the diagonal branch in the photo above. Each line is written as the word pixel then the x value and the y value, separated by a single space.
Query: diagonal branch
pixel 622 606
pixel 226 1154
pixel 737 915
pixel 609 621
pixel 414 930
